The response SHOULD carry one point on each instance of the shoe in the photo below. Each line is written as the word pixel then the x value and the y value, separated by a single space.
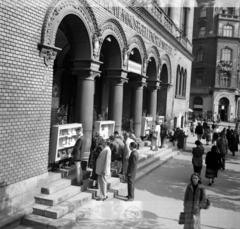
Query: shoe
pixel 130 199
pixel 99 199
pixel 104 198
pixel 209 184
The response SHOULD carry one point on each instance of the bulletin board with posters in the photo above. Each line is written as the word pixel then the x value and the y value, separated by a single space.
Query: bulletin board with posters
pixel 104 128
pixel 147 124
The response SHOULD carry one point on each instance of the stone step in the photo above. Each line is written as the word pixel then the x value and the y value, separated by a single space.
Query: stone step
pixel 63 208
pixel 155 165
pixel 157 156
pixel 96 193
pixel 41 222
pixel 57 197
pixel 55 186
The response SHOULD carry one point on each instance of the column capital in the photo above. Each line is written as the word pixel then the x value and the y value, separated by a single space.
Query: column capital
pixel 116 75
pixel 162 84
pixel 86 69
pixel 138 80
pixel 153 84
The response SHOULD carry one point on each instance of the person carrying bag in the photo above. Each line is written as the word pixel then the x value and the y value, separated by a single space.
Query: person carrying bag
pixel 194 200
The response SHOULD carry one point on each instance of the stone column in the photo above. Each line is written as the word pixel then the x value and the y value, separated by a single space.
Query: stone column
pixel 116 104
pixel 85 71
pixel 137 108
pixel 152 109
pixel 84 107
pixel 117 79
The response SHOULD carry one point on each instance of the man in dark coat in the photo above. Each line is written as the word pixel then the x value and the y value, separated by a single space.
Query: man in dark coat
pixel 197 159
pixel 199 131
pixel 132 170
pixel 77 154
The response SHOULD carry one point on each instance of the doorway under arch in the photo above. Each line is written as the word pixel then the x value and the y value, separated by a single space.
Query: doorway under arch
pixel 134 69
pixel 110 56
pixel 72 37
pixel 223 109
pixel 162 93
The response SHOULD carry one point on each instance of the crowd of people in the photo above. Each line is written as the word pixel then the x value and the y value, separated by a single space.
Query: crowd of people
pixel 118 151
pixel 222 141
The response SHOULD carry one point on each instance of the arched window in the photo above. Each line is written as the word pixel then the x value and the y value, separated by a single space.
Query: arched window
pixel 227 30
pixel 199 55
pixel 177 81
pixel 226 55
pixel 181 82
pixel 184 83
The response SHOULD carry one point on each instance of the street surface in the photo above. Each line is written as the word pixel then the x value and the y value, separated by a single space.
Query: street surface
pixel 159 199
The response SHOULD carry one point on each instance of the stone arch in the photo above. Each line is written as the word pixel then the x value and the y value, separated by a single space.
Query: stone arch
pixel 166 60
pixel 61 8
pixel 153 52
pixel 137 42
pixel 114 28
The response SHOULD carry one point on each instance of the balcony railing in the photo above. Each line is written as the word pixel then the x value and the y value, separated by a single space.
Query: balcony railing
pixel 228 16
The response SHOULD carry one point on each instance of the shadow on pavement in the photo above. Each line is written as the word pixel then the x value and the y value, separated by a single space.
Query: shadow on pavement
pixel 171 179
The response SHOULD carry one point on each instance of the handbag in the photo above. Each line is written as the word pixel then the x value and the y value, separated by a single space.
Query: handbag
pixel 181 219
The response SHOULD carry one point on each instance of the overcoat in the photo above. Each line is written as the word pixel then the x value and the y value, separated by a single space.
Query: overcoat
pixel 193 202
pixel 132 164
pixel 103 163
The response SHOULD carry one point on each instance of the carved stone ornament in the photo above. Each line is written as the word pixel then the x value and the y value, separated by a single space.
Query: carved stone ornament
pixel 97 42
pixel 145 64
pixel 48 53
pixel 126 54
pixel 61 8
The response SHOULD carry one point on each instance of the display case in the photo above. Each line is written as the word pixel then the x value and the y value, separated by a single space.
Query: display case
pixel 104 128
pixel 147 124
pixel 63 138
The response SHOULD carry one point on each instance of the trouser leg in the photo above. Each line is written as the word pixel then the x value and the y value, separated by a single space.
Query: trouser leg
pixel 130 188
pixel 100 183
pixel 78 171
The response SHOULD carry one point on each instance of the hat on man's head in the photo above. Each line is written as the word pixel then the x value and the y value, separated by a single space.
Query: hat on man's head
pixel 198 143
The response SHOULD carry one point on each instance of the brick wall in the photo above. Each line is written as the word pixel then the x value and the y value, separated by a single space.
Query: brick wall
pixel 25 92
pixel 26 88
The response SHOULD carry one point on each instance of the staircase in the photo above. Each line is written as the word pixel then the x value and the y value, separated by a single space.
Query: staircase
pixel 61 197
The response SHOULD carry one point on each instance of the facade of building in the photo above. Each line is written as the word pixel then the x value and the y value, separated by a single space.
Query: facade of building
pixel 79 60
pixel 216 67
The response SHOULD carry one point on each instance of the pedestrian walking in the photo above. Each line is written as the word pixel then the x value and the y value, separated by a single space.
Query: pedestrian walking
pixel 222 145
pixel 207 134
pixel 77 154
pixel 199 131
pixel 213 163
pixel 197 159
pixel 194 200
pixel 233 141
pixel 103 170
pixel 132 170
pixel 163 132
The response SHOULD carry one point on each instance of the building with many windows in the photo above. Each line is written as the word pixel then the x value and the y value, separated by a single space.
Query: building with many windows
pixel 216 67
pixel 78 61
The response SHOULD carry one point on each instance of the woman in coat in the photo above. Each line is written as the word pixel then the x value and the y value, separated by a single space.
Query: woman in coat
pixel 194 200
pixel 213 163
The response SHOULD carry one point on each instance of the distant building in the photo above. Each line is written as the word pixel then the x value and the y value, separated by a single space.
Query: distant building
pixel 215 84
